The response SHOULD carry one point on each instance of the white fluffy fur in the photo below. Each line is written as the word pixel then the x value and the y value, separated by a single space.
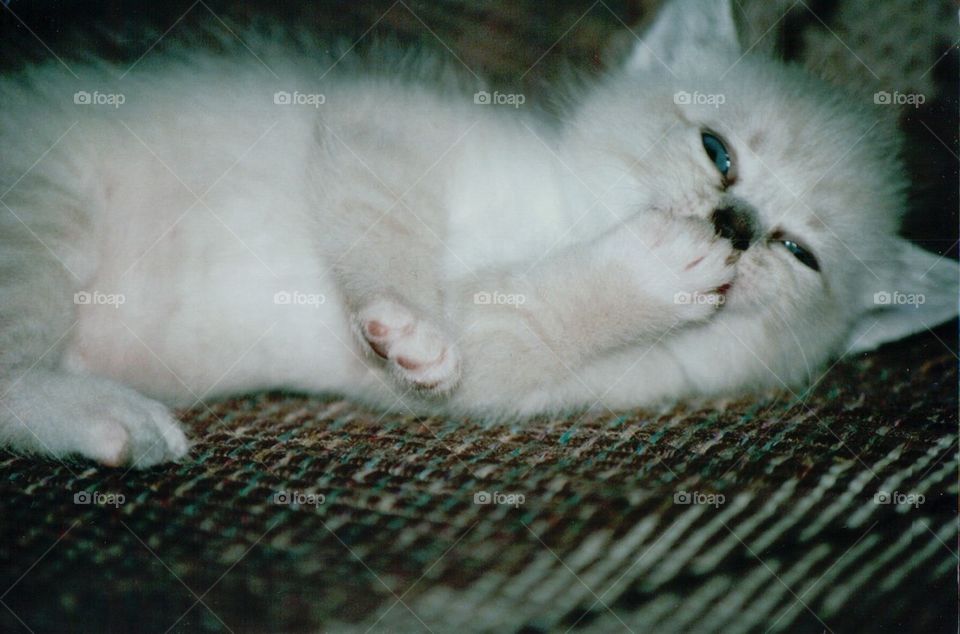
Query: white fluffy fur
pixel 397 201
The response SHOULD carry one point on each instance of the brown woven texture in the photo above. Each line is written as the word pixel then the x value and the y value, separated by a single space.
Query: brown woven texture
pixel 601 539
pixel 829 510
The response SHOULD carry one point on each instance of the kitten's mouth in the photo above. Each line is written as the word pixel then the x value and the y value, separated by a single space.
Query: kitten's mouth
pixel 727 293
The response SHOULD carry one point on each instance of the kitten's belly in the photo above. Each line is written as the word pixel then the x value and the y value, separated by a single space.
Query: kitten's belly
pixel 210 311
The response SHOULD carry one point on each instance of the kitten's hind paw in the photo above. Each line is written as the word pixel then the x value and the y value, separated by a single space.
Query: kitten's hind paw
pixel 64 415
pixel 417 352
pixel 137 432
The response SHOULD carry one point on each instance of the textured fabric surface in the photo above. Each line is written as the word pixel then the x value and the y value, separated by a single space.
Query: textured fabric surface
pixel 603 540
pixel 833 510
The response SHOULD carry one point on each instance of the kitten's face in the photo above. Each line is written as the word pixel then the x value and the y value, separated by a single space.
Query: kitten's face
pixel 806 186
pixel 803 177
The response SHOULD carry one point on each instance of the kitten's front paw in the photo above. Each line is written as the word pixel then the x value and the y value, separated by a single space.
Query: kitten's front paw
pixel 679 262
pixel 416 351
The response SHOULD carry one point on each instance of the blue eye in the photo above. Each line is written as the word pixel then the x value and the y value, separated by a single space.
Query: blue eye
pixel 802 254
pixel 717 152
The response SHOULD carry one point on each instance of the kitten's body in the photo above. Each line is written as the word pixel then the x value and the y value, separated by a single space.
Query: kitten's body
pixel 391 206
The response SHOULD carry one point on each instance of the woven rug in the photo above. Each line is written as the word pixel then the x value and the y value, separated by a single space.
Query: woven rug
pixel 823 513
pixel 829 510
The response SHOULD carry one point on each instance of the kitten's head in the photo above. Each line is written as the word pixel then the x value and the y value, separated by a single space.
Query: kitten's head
pixel 804 178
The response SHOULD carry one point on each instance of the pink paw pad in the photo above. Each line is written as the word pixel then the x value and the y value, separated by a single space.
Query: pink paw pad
pixel 416 351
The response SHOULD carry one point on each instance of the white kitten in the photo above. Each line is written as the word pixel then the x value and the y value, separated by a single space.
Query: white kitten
pixel 207 224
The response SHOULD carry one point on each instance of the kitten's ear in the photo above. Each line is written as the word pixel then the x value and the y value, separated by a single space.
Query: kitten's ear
pixel 917 290
pixel 687 30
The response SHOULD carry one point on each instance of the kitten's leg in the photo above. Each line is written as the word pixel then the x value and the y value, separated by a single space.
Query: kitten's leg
pixel 633 285
pixel 387 264
pixel 43 409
